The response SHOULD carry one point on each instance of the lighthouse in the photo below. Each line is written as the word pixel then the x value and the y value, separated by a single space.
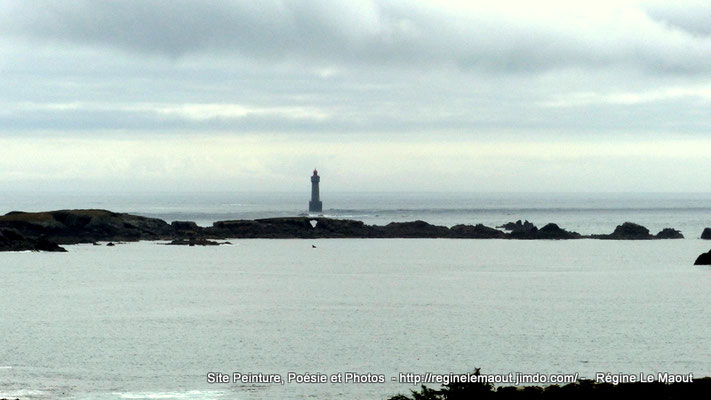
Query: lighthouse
pixel 315 204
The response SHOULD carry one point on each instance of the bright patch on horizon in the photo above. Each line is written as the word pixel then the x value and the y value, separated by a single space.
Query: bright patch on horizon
pixel 629 98
pixel 189 111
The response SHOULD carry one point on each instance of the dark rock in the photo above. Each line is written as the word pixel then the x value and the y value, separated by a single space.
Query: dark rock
pixel 263 228
pixel 193 242
pixel 706 234
pixel 477 231
pixel 86 226
pixel 703 259
pixel 415 229
pixel 669 233
pixel 553 231
pixel 292 227
pixel 628 231
pixel 238 229
pixel 44 244
pixel 334 228
pixel 523 233
pixel 518 226
pixel 12 240
pixel 42 230
pixel 185 226
pixel 110 244
pixel 531 232
pixel 11 235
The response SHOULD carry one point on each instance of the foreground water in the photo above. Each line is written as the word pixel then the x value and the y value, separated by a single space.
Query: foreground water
pixel 146 321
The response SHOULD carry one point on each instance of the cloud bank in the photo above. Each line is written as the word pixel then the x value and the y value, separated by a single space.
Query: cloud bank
pixel 519 36
pixel 456 73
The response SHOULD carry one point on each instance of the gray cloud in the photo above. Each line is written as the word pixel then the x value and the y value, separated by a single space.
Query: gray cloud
pixel 332 67
pixel 265 29
pixel 258 89
pixel 371 32
pixel 692 16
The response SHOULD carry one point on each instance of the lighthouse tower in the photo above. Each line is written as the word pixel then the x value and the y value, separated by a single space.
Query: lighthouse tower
pixel 315 204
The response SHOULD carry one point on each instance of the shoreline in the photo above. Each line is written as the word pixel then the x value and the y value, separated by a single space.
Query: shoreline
pixel 46 231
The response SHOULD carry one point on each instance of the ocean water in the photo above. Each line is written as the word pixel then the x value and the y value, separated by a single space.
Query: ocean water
pixel 147 321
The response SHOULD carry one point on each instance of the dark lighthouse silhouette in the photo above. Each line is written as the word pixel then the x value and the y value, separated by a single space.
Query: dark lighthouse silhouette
pixel 315 205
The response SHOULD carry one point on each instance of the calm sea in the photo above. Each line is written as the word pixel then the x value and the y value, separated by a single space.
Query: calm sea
pixel 146 321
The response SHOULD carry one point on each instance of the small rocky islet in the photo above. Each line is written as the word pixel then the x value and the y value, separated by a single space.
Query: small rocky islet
pixel 47 231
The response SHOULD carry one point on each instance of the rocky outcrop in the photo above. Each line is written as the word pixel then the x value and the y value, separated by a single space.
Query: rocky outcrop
pixel 195 242
pixel 45 230
pixel 549 231
pixel 632 231
pixel 528 233
pixel 519 226
pixel 703 259
pixel 553 231
pixel 478 231
pixel 304 227
pixel 12 240
pixel 185 228
pixel 706 234
pixel 415 229
pixel 86 226
pixel 293 227
pixel 669 233
pixel 628 231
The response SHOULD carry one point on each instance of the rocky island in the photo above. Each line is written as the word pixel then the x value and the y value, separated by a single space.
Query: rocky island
pixel 46 231
pixel 27 231
pixel 703 259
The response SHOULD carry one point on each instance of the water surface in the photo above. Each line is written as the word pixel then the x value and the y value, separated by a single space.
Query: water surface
pixel 142 320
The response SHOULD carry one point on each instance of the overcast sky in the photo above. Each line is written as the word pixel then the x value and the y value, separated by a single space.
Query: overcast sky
pixel 436 95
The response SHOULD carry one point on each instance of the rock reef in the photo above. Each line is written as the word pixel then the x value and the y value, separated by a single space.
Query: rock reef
pixel 45 231
pixel 195 242
pixel 477 231
pixel 629 231
pixel 12 240
pixel 632 231
pixel 518 226
pixel 669 233
pixel 302 227
pixel 703 259
pixel 86 226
